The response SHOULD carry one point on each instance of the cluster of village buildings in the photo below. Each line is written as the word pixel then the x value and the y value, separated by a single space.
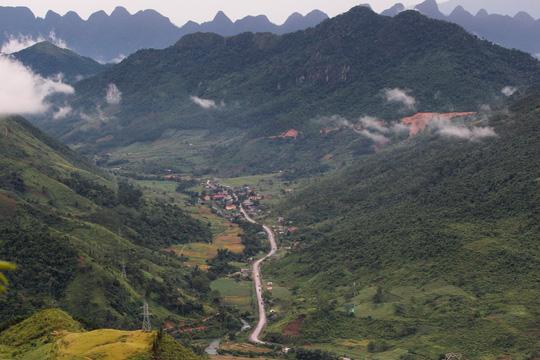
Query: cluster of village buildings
pixel 227 200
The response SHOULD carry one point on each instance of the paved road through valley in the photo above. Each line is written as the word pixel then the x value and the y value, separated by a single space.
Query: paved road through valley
pixel 257 281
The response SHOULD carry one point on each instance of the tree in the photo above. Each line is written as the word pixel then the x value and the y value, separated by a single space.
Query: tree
pixel 4 266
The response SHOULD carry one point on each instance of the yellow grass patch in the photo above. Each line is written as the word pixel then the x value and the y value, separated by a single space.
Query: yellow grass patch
pixel 199 253
pixel 353 343
pixel 230 239
pixel 104 344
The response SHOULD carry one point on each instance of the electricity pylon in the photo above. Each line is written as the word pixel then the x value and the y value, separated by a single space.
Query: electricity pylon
pixel 146 324
pixel 124 273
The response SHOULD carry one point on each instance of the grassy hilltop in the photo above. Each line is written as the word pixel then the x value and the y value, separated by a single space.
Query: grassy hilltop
pixel 53 335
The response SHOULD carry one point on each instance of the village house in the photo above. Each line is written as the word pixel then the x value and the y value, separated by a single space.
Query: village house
pixel 291 230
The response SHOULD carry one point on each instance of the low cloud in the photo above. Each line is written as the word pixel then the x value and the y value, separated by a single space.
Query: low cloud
pixel 114 95
pixel 400 96
pixel 95 119
pixel 16 43
pixel 62 112
pixel 377 138
pixel 207 103
pixel 383 133
pixel 372 123
pixel 509 91
pixel 378 130
pixel 118 59
pixel 23 92
pixel 461 131
pixel 369 127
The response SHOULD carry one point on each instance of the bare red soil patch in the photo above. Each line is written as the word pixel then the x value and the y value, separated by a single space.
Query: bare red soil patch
pixel 294 327
pixel 418 122
pixel 289 134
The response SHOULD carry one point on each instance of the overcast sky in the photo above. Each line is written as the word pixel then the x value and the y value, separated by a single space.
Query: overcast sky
pixel 180 11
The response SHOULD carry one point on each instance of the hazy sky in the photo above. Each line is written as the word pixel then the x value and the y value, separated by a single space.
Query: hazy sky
pixel 180 11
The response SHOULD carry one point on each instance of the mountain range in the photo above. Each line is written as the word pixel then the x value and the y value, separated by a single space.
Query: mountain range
pixel 519 31
pixel 111 37
pixel 503 7
pixel 246 89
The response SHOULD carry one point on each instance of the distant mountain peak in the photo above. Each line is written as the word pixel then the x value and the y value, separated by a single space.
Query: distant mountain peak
pixel 120 11
pixel 394 10
pixel 294 16
pixel 430 8
pixel 52 15
pixel 98 15
pixel 460 11
pixel 46 45
pixel 524 17
pixel 221 18
pixel 482 13
pixel 317 14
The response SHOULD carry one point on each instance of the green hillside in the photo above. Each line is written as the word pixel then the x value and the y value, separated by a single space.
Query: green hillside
pixel 54 335
pixel 70 228
pixel 433 242
pixel 49 60
pixel 212 102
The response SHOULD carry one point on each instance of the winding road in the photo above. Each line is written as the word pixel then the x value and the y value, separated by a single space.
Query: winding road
pixel 257 281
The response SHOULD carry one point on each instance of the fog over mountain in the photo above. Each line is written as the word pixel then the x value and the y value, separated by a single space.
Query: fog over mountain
pixel 112 37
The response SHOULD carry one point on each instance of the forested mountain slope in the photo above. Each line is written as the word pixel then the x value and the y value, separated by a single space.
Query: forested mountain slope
pixel 435 241
pixel 245 89
pixel 49 60
pixel 70 228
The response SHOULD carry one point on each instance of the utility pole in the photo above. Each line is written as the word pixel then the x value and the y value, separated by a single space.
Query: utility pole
pixel 146 325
